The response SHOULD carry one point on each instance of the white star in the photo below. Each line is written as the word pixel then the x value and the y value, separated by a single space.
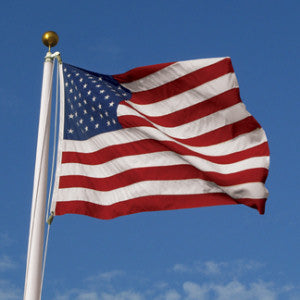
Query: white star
pixel 100 79
pixel 66 84
pixel 102 91
pixel 84 101
pixel 108 123
pixel 71 91
pixel 79 104
pixel 96 125
pixel 94 98
pixel 69 75
pixel 70 131
pixel 93 108
pixel 92 119
pixel 84 112
pixel 101 116
pixel 99 106
pixel 81 79
pixel 111 104
pixel 106 97
pixel 86 128
pixel 85 85
pixel 114 121
pixel 89 92
pixel 71 116
pixel 80 121
pixel 77 74
pixel 106 113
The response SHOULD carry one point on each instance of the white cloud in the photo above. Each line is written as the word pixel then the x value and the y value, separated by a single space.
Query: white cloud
pixel 171 294
pixel 235 290
pixel 87 296
pixel 126 295
pixel 214 268
pixel 5 240
pixel 8 291
pixel 6 263
pixel 210 280
pixel 182 268
pixel 194 291
pixel 107 276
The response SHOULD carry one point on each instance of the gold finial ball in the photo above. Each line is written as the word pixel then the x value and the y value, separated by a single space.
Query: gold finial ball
pixel 50 39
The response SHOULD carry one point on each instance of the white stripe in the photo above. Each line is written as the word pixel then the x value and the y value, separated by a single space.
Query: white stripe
pixel 169 73
pixel 198 127
pixel 101 141
pixel 148 188
pixel 122 164
pixel 190 97
pixel 252 190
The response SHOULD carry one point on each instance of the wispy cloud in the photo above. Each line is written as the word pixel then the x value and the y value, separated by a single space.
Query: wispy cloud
pixel 214 268
pixel 107 276
pixel 9 291
pixel 6 263
pixel 5 240
pixel 184 283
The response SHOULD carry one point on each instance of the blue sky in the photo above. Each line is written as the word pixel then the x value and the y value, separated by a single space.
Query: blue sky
pixel 228 252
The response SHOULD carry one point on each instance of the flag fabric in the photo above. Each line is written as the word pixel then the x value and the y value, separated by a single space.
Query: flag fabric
pixel 159 137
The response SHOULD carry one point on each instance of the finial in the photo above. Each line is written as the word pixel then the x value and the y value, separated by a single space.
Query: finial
pixel 50 39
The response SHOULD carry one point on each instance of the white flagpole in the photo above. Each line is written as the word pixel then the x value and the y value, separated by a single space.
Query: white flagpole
pixel 33 278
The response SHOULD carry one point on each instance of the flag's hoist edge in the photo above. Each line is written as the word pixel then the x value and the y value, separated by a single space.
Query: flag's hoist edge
pixel 187 141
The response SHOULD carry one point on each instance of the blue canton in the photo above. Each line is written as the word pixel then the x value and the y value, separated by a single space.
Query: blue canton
pixel 91 102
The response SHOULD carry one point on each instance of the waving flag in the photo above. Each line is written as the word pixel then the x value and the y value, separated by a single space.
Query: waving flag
pixel 159 137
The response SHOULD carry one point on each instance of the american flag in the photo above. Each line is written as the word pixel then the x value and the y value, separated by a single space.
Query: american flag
pixel 159 137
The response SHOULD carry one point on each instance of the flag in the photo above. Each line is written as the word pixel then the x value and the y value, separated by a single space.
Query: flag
pixel 159 137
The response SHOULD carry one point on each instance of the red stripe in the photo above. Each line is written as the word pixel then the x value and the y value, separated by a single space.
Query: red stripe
pixel 151 146
pixel 152 203
pixel 140 72
pixel 161 173
pixel 194 112
pixel 183 83
pixel 213 137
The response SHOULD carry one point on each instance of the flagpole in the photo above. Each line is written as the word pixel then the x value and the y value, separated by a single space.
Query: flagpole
pixel 33 278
